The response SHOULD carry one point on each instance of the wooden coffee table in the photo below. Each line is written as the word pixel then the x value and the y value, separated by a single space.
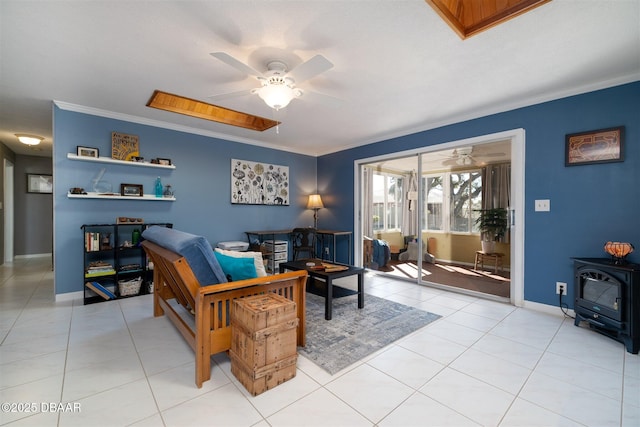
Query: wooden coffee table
pixel 329 291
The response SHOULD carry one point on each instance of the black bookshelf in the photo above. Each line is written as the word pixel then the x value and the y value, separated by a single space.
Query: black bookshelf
pixel 114 262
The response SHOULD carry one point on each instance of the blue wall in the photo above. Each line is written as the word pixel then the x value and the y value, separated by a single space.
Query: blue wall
pixel 201 182
pixel 590 204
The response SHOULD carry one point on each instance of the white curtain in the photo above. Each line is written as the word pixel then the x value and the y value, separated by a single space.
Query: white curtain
pixel 410 206
pixel 367 202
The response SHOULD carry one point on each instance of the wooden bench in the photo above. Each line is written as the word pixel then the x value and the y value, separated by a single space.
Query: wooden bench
pixel 211 304
pixel 496 257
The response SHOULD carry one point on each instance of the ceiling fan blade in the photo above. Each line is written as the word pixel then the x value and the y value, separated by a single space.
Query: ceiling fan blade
pixel 230 95
pixel 238 65
pixel 316 65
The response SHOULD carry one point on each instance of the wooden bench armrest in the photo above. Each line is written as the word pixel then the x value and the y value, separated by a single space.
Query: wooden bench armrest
pixel 229 286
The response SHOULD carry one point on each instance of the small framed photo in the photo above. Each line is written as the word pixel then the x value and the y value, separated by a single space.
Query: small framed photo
pixel 131 190
pixel 596 146
pixel 165 162
pixel 88 152
pixel 39 183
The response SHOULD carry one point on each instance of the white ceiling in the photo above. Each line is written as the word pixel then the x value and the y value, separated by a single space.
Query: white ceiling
pixel 398 68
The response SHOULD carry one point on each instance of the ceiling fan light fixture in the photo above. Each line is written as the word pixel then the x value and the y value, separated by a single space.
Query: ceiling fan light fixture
pixel 276 96
pixel 277 92
pixel 29 139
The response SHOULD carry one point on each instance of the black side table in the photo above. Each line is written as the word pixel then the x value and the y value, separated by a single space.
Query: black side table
pixel 331 290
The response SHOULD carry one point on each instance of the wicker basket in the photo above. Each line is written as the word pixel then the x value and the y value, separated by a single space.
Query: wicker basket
pixel 129 287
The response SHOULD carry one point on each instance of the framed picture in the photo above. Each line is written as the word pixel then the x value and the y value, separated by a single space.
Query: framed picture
pixel 124 147
pixel 88 152
pixel 132 190
pixel 39 183
pixel 596 146
pixel 165 162
pixel 258 183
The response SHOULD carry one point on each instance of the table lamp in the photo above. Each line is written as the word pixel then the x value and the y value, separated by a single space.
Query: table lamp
pixel 315 203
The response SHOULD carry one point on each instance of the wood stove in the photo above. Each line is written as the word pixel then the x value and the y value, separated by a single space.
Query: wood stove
pixel 607 297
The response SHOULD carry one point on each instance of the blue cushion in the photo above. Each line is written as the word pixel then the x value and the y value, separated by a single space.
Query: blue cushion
pixel 195 249
pixel 237 268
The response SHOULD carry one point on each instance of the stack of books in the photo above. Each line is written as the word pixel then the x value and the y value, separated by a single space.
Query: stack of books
pixel 99 268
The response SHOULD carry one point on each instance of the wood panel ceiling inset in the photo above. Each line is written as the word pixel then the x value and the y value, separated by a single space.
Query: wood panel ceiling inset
pixel 202 110
pixel 470 17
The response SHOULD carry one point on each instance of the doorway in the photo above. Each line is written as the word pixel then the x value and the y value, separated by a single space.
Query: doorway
pixel 8 203
pixel 456 160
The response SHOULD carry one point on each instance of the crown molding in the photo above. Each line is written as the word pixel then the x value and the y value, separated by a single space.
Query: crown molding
pixel 67 106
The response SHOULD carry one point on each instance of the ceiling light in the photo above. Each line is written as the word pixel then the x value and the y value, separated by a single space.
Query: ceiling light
pixel 29 139
pixel 277 92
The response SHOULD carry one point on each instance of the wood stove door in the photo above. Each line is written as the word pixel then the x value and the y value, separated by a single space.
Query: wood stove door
pixel 600 292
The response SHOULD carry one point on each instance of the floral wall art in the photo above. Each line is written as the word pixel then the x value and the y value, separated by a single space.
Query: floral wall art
pixel 255 183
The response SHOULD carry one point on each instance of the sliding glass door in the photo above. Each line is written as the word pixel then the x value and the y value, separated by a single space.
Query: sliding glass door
pixel 425 204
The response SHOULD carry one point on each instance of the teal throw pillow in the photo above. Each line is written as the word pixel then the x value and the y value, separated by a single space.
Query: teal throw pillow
pixel 236 268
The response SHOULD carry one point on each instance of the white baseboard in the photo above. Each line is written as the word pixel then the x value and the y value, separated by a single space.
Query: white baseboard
pixel 70 296
pixel 32 256
pixel 546 308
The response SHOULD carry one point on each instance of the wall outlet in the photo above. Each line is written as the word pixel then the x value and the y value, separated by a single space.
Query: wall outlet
pixel 561 288
pixel 326 250
pixel 543 205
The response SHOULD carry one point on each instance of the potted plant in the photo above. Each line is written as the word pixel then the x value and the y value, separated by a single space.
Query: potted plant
pixel 493 224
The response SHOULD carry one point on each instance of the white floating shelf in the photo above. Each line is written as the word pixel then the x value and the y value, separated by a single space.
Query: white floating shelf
pixel 144 198
pixel 72 156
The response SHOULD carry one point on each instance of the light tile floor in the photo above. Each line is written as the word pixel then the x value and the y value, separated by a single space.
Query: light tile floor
pixel 483 363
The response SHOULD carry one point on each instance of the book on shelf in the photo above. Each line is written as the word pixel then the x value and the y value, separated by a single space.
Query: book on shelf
pixel 97 273
pixel 130 267
pixel 92 241
pixel 99 268
pixel 100 290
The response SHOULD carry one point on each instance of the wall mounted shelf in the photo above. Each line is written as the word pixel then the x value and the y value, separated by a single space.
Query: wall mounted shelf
pixel 146 197
pixel 72 156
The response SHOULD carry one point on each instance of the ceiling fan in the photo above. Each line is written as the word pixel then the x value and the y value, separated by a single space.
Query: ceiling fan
pixel 464 156
pixel 277 84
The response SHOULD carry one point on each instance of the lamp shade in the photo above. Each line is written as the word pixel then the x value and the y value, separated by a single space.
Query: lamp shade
pixel 315 202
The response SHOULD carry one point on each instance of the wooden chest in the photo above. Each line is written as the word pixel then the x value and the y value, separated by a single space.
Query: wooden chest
pixel 263 341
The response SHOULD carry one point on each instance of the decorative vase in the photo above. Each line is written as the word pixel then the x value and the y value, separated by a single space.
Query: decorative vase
pixel 159 187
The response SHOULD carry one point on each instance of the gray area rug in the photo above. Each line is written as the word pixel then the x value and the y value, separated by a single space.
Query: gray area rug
pixel 353 333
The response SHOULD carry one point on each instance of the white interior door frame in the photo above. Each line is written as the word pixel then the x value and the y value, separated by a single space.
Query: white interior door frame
pixel 7 206
pixel 517 138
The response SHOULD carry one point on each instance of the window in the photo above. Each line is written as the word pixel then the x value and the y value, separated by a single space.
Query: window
pixel 432 218
pixel 387 201
pixel 458 211
pixel 466 198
